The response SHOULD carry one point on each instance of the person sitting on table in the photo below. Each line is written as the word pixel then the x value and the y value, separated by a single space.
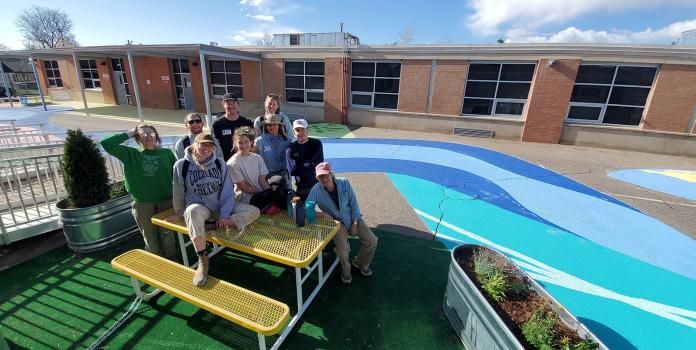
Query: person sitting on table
pixel 248 173
pixel 271 146
pixel 194 124
pixel 148 174
pixel 303 156
pixel 272 106
pixel 203 190
pixel 336 199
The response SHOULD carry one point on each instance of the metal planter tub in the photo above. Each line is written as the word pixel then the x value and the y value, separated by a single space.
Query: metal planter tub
pixel 98 227
pixel 478 325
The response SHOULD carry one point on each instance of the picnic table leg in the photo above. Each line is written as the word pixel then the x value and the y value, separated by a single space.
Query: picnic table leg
pixel 182 246
pixel 262 341
pixel 139 293
pixel 298 286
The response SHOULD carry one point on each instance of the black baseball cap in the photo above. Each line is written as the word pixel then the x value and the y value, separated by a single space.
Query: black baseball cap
pixel 229 96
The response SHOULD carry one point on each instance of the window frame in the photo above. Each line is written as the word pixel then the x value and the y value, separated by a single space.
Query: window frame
pixel 495 98
pixel 213 86
pixel 90 69
pixel 304 79
pixel 55 70
pixel 603 106
pixel 374 84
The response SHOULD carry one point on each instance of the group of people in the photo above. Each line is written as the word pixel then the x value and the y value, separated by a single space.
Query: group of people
pixel 228 178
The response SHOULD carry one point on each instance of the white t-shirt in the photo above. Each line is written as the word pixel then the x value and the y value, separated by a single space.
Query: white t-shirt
pixel 246 168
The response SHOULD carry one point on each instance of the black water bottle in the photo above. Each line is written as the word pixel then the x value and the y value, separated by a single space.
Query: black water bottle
pixel 298 212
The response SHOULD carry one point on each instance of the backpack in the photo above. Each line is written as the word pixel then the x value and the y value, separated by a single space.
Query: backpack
pixel 186 141
pixel 187 164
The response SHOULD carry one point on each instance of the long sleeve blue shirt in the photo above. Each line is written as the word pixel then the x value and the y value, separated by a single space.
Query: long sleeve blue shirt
pixel 348 208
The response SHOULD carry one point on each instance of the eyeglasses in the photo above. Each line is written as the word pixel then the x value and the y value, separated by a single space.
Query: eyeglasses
pixel 194 121
pixel 148 134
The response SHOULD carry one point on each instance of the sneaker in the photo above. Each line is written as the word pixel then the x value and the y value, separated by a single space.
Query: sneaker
pixel 346 278
pixel 365 271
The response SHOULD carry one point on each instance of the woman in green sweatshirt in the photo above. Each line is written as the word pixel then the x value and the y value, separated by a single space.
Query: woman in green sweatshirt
pixel 148 178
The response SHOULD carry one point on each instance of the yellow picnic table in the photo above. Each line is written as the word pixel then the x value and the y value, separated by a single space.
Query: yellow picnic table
pixel 275 238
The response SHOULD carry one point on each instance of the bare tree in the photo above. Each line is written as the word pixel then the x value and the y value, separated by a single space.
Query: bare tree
pixel 44 27
pixel 267 40
pixel 3 46
pixel 406 36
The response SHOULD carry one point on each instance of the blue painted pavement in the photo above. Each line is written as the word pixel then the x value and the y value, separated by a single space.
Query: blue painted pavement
pixel 629 277
pixel 678 183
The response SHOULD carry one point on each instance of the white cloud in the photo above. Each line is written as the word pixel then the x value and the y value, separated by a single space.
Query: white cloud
pixel 266 18
pixel 254 3
pixel 490 15
pixel 663 35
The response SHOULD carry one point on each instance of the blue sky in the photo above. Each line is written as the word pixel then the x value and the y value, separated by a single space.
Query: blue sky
pixel 236 22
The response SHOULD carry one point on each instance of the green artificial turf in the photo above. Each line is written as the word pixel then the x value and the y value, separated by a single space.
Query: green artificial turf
pixel 330 130
pixel 63 301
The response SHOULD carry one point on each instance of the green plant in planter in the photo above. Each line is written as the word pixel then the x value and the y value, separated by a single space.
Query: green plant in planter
pixel 492 278
pixel 84 171
pixel 539 329
pixel 495 285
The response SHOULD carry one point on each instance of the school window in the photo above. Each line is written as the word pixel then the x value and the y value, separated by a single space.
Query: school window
pixel 226 77
pixel 53 73
pixel 304 82
pixel 90 76
pixel 610 94
pixel 497 88
pixel 375 84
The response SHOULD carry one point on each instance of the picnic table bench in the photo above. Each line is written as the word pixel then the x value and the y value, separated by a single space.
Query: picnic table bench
pixel 275 238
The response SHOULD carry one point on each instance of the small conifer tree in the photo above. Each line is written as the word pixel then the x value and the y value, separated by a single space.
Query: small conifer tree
pixel 84 171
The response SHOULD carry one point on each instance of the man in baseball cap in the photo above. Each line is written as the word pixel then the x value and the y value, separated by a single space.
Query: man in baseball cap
pixel 223 128
pixel 335 197
pixel 303 156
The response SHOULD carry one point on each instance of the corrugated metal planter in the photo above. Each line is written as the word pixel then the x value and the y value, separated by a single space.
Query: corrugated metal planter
pixel 477 323
pixel 98 227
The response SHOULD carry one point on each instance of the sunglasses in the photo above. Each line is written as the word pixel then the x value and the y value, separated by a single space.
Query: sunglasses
pixel 148 134
pixel 194 121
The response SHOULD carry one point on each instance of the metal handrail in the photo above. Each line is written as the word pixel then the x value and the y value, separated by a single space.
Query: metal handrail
pixel 32 184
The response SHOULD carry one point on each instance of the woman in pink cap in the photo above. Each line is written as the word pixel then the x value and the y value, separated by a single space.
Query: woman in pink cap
pixel 335 197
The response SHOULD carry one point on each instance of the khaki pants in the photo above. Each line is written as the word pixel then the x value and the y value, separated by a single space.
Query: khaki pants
pixel 196 214
pixel 368 245
pixel 157 240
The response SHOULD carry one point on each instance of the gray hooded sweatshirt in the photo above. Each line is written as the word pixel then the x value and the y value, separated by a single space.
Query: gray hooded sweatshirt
pixel 205 185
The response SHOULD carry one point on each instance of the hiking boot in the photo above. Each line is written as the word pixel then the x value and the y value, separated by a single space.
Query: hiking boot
pixel 201 274
pixel 346 278
pixel 364 270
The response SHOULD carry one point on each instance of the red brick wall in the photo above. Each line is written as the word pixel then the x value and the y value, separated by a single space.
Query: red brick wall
pixel 251 83
pixel 197 85
pixel 159 93
pixel 334 97
pixel 106 80
pixel 673 99
pixel 448 87
pixel 273 76
pixel 413 89
pixel 548 100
